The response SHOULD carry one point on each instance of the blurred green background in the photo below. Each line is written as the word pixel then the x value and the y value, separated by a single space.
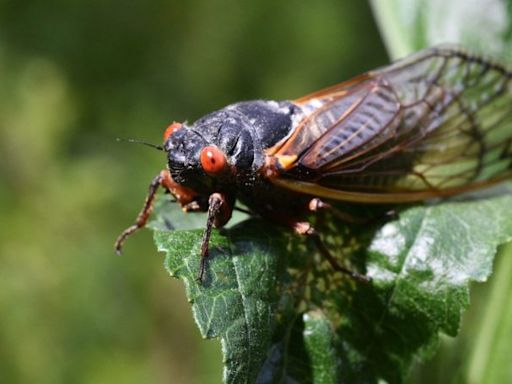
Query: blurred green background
pixel 74 76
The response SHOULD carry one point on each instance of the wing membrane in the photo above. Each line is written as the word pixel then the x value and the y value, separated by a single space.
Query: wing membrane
pixel 433 124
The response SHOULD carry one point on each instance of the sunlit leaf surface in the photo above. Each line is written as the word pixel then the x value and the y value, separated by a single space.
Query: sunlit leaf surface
pixel 281 313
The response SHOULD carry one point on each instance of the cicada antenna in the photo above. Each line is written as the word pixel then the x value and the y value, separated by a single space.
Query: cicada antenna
pixel 136 141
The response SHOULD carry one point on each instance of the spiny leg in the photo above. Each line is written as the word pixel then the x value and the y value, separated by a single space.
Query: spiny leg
pixel 317 205
pixel 219 212
pixel 334 263
pixel 304 228
pixel 161 179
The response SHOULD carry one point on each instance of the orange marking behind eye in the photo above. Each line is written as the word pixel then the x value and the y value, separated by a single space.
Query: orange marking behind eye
pixel 170 130
pixel 212 159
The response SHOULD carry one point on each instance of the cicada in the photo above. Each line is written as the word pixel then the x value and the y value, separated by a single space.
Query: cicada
pixel 435 124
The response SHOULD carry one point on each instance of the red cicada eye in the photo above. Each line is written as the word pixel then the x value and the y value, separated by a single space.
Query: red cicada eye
pixel 212 159
pixel 170 130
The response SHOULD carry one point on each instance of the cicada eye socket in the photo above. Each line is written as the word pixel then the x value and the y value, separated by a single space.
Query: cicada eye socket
pixel 212 159
pixel 171 129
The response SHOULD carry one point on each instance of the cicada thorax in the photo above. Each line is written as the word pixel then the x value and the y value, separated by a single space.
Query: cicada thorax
pixel 222 151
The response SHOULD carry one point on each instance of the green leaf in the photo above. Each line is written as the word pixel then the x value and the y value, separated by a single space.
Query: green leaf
pixel 238 299
pixel 408 26
pixel 422 266
pixel 488 360
pixel 283 315
pixel 411 25
pixel 320 338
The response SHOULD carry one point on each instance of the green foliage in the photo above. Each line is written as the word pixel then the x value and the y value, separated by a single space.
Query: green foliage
pixel 238 299
pixel 408 26
pixel 306 323
pixel 320 343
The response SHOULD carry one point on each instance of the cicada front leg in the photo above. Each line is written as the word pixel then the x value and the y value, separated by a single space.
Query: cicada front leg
pixel 219 213
pixel 162 179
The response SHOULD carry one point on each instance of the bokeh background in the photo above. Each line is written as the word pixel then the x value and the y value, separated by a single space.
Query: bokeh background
pixel 74 76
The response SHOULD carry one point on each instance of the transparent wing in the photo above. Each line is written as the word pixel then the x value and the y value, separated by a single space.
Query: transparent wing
pixel 436 123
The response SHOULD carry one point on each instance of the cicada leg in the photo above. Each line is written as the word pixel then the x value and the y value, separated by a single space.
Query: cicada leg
pixel 317 205
pixel 219 213
pixel 334 263
pixel 306 229
pixel 162 179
